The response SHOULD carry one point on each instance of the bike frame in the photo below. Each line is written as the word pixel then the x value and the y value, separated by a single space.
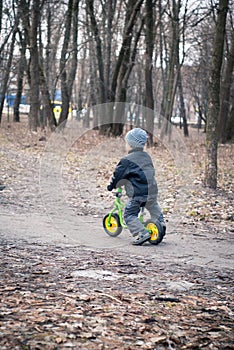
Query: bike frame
pixel 119 206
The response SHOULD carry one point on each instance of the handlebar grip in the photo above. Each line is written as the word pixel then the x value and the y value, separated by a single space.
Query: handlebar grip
pixel 118 194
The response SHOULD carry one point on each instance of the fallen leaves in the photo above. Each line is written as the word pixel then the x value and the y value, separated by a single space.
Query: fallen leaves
pixel 62 309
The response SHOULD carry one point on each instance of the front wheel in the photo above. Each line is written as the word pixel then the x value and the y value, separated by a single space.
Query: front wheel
pixel 156 231
pixel 112 225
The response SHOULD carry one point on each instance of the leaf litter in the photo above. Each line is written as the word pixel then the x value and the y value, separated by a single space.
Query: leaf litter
pixel 56 298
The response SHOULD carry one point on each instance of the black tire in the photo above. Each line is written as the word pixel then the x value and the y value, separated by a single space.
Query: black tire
pixel 115 227
pixel 156 230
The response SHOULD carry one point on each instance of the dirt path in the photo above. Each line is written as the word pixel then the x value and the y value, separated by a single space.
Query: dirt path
pixel 196 248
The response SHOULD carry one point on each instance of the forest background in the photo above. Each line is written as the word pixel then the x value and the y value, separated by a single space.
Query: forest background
pixel 173 57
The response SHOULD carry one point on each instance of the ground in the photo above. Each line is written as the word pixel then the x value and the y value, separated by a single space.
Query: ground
pixel 66 284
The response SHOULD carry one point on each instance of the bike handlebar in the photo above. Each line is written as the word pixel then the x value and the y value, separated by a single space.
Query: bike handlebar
pixel 119 192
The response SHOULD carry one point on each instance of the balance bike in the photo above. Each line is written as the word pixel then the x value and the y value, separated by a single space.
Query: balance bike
pixel 113 222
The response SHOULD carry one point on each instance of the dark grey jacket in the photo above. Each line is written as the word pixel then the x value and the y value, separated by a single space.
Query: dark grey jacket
pixel 136 172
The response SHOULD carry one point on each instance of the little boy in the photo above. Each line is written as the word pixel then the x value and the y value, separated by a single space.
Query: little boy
pixel 136 172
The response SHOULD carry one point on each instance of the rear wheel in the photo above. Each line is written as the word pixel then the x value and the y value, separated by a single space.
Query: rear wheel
pixel 156 231
pixel 112 225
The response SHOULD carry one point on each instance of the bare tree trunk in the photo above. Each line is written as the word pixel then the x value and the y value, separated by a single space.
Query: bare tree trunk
pixel 149 97
pixel 121 92
pixel 111 12
pixel 121 72
pixel 63 62
pixel 182 106
pixel 172 76
pixel 47 105
pixel 92 88
pixel 8 68
pixel 101 85
pixel 164 70
pixel 214 97
pixel 95 31
pixel 72 73
pixel 20 79
pixel 225 94
pixel 81 81
pixel 48 45
pixel 68 76
pixel 23 33
pixel 16 115
pixel 133 8
pixel 230 125
pixel 34 68
pixel 179 75
pixel 0 16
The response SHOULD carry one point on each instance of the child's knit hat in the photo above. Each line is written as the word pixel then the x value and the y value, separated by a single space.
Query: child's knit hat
pixel 136 138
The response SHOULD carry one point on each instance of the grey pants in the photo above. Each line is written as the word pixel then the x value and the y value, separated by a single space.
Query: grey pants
pixel 132 210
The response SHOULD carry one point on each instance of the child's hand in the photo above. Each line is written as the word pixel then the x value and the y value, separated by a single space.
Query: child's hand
pixel 109 188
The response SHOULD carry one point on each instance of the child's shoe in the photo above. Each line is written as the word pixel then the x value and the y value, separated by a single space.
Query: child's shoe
pixel 141 238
